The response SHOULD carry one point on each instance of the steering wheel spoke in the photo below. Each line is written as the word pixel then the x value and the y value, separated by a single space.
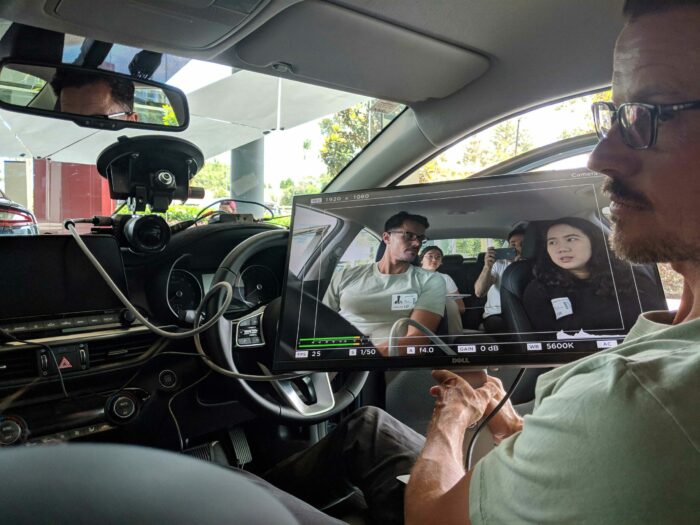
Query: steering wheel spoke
pixel 317 399
pixel 308 398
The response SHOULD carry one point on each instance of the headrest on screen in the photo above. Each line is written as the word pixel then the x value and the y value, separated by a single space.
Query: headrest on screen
pixel 531 241
pixel 452 260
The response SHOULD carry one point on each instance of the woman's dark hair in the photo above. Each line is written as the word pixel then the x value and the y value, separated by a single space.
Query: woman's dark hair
pixel 430 249
pixel 549 274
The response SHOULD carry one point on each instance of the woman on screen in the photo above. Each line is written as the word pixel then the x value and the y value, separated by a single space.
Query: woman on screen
pixel 431 259
pixel 578 284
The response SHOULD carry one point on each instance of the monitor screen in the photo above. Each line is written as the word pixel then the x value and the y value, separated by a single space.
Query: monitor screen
pixel 508 270
pixel 48 276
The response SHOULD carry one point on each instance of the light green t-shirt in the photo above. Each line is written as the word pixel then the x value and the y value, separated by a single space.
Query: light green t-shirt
pixel 373 301
pixel 614 438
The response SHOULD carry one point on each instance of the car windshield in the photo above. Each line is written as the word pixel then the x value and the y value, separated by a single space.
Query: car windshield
pixel 264 139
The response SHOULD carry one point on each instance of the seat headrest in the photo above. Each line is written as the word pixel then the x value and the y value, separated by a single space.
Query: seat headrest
pixel 531 241
pixel 452 260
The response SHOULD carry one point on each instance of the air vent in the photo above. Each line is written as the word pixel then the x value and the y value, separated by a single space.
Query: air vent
pixel 18 364
pixel 107 351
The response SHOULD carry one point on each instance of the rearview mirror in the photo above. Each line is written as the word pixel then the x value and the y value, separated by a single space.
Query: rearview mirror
pixel 92 98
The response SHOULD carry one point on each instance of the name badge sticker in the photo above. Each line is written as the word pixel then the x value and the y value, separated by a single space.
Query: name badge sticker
pixel 562 307
pixel 403 301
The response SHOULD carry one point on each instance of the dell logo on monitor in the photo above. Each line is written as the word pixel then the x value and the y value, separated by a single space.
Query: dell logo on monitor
pixel 460 361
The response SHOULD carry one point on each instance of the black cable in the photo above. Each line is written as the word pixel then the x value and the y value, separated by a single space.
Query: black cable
pixel 234 200
pixel 48 349
pixel 170 408
pixel 484 422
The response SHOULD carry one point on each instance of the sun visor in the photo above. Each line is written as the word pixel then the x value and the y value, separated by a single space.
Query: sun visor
pixel 326 44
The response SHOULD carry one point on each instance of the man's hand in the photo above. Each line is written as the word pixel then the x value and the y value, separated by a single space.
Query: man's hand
pixel 507 421
pixel 458 401
pixel 439 485
pixel 490 258
pixel 485 279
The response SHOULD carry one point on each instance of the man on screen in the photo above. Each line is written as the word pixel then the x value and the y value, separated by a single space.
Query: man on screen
pixel 374 296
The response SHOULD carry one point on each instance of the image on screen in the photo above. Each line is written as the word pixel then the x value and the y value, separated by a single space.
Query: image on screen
pixel 512 270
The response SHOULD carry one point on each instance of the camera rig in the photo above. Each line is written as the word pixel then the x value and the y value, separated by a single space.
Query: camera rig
pixel 150 170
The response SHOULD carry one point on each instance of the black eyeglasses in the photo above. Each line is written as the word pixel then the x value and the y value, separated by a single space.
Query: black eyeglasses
pixel 410 236
pixel 639 122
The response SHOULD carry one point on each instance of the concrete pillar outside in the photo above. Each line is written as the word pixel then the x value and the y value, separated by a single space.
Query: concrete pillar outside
pixel 248 176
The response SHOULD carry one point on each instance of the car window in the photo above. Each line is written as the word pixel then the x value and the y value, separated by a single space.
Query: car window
pixel 301 137
pixel 311 228
pixel 362 250
pixel 468 248
pixel 672 283
pixel 510 138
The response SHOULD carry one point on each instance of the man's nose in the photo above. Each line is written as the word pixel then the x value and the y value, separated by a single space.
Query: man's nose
pixel 612 157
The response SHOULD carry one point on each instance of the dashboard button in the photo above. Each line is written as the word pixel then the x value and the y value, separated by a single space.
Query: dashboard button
pixel 122 407
pixel 10 432
pixel 167 379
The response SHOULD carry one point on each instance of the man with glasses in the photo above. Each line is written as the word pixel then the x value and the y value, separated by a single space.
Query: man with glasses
pixel 615 437
pixel 374 296
pixel 85 93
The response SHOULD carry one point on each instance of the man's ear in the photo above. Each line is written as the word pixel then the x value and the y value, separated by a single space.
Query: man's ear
pixel 386 237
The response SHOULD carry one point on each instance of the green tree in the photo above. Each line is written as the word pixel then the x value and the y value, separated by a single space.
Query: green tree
pixel 502 142
pixel 214 176
pixel 169 117
pixel 349 130
pixel 435 170
pixel 579 110
pixel 290 188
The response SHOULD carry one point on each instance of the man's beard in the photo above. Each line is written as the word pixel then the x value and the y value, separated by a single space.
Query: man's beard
pixel 651 246
pixel 649 249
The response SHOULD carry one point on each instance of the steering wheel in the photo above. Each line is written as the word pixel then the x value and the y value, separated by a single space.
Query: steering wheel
pixel 307 399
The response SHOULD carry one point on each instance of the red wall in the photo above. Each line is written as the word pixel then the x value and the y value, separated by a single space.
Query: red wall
pixel 74 190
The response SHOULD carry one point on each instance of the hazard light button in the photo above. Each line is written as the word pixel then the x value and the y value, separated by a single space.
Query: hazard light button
pixel 66 358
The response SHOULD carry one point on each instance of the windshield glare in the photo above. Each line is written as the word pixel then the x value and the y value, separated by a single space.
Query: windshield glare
pixel 264 139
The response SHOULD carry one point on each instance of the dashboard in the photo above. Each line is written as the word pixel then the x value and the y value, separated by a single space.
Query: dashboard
pixel 113 380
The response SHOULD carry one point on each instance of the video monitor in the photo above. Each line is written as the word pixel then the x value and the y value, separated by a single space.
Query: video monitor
pixel 515 270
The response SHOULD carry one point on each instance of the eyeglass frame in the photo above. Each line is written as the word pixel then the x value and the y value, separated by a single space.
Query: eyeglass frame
pixel 658 112
pixel 410 236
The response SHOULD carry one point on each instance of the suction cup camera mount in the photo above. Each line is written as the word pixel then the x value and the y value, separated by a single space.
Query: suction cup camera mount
pixel 150 170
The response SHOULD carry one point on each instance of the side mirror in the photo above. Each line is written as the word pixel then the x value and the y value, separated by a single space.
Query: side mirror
pixel 92 98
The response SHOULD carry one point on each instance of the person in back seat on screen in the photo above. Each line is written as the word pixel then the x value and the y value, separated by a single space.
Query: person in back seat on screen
pixel 574 286
pixel 489 282
pixel 374 296
pixel 431 259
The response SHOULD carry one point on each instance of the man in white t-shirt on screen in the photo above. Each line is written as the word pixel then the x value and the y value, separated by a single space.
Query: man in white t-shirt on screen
pixel 374 296
pixel 489 282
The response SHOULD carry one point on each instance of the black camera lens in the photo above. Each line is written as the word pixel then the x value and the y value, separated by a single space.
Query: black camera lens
pixel 147 233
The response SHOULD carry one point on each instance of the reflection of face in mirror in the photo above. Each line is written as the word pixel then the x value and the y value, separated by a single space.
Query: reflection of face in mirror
pixel 87 94
pixel 570 249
